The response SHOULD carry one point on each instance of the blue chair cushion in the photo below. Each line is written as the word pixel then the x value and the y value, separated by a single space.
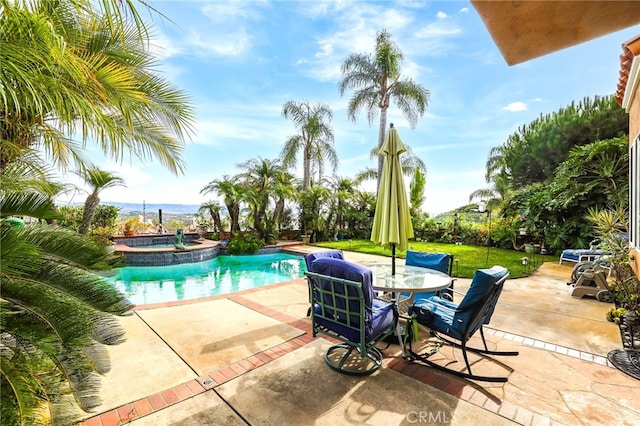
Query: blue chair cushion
pixel 438 314
pixel 309 258
pixel 574 254
pixel 436 261
pixel 378 314
pixel 445 319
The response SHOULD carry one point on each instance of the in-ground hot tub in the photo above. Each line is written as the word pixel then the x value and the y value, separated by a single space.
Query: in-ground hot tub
pixel 159 249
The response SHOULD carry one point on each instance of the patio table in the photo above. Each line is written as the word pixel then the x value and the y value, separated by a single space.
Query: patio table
pixel 408 279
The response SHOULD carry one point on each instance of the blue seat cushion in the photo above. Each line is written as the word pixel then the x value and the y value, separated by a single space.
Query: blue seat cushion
pixel 309 258
pixel 437 261
pixel 574 254
pixel 382 318
pixel 378 314
pixel 438 314
pixel 445 319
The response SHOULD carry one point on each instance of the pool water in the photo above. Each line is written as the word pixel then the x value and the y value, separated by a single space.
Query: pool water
pixel 220 275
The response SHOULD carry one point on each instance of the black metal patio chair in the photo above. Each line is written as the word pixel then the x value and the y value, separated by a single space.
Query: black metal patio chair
pixel 455 324
pixel 344 308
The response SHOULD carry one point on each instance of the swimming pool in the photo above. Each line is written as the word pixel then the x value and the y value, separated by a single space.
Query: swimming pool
pixel 223 274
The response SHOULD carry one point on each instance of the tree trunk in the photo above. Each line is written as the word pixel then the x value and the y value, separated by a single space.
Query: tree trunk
pixel 381 132
pixel 90 206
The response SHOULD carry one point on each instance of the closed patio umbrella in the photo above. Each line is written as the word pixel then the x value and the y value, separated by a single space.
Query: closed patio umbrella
pixel 392 221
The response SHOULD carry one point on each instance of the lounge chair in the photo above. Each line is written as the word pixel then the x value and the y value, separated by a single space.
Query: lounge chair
pixel 582 255
pixel 344 308
pixel 453 323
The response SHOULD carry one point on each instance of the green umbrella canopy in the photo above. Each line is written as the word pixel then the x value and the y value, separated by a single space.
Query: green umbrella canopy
pixel 392 221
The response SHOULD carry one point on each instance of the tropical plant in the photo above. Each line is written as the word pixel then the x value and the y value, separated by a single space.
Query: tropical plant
pixel 82 69
pixel 73 72
pixel 284 190
pixel 231 189
pixel 535 150
pixel 244 243
pixel 315 138
pixel 312 203
pixel 98 180
pixel 612 233
pixel 376 80
pixel 593 176
pixel 214 209
pixel 55 316
pixel 416 192
pixel 259 177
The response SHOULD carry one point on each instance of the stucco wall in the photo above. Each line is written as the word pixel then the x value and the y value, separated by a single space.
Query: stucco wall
pixel 634 130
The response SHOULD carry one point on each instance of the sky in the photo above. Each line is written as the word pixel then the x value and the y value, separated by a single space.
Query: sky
pixel 240 61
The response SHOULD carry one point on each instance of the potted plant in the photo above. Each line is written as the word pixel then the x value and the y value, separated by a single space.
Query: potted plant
pixel 131 225
pixel 610 228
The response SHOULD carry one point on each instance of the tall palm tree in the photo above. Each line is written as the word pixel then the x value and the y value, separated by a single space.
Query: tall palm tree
pixel 376 80
pixel 74 69
pixel 409 162
pixel 315 139
pixel 231 189
pixel 98 180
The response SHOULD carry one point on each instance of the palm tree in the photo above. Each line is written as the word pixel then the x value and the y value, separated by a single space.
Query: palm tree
pixel 284 190
pixel 409 162
pixel 231 189
pixel 213 208
pixel 98 180
pixel 69 67
pixel 342 192
pixel 259 176
pixel 74 69
pixel 416 192
pixel 312 202
pixel 315 139
pixel 55 313
pixel 377 81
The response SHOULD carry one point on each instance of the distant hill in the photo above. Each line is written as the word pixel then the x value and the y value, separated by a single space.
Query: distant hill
pixel 126 208
pixel 153 208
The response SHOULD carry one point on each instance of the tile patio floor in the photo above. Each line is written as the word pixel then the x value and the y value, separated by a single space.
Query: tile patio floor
pixel 249 358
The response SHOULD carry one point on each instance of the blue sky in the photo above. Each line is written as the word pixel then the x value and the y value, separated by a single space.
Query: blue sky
pixel 240 61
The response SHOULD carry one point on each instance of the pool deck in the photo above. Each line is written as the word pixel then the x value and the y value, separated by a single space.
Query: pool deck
pixel 249 358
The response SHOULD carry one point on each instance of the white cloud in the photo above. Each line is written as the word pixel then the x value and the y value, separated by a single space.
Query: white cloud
pixel 464 10
pixel 515 107
pixel 233 43
pixel 441 15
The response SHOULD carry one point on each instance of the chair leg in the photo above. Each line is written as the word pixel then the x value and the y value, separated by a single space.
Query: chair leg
pixel 353 362
pixel 463 346
pixel 485 351
pixel 465 375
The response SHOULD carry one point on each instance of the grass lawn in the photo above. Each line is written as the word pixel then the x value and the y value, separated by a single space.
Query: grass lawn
pixel 466 258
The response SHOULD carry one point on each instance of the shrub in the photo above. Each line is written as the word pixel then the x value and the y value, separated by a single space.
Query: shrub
pixel 244 243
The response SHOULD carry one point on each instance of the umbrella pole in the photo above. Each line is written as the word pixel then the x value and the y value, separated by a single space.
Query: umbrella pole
pixel 393 259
